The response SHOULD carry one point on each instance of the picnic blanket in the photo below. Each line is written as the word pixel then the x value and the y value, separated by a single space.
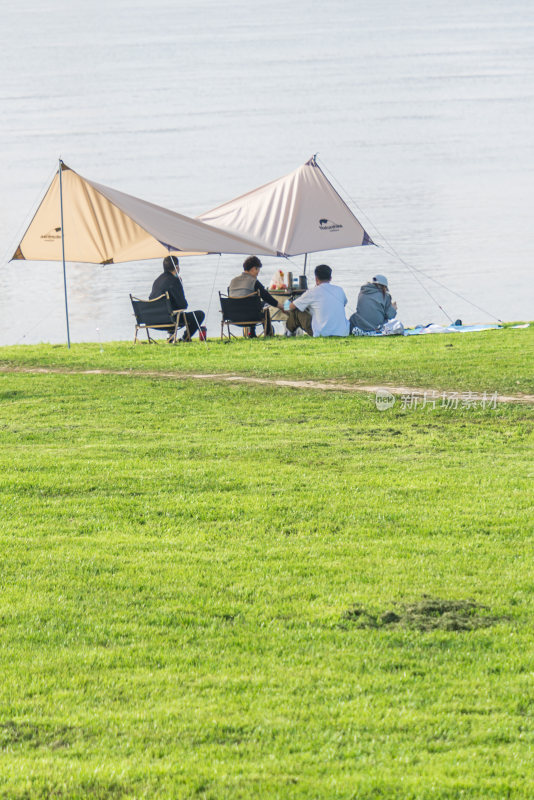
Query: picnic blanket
pixel 433 328
pixel 390 329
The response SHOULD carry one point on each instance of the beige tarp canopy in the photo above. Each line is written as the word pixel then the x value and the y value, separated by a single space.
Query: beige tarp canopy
pixel 299 213
pixel 104 226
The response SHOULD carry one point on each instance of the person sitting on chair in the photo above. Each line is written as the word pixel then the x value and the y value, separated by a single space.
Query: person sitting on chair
pixel 321 310
pixel 374 307
pixel 170 282
pixel 247 283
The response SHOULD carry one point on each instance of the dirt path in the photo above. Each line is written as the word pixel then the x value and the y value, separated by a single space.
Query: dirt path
pixel 526 399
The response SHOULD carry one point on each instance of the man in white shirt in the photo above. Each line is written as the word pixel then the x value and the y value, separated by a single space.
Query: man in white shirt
pixel 321 310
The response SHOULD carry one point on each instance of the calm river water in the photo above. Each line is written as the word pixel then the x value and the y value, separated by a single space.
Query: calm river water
pixel 423 113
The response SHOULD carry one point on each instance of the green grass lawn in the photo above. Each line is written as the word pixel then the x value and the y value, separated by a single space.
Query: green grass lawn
pixel 230 591
pixel 495 360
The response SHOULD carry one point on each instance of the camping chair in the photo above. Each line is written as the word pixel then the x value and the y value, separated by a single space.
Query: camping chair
pixel 158 315
pixel 243 312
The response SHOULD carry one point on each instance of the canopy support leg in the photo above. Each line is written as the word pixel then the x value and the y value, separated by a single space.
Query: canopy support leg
pixel 63 253
pixel 305 262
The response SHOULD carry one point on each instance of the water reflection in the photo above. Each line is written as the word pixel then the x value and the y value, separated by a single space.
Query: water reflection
pixel 423 112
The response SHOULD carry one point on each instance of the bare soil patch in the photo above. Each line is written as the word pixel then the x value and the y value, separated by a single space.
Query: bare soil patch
pixel 428 614
pixel 332 386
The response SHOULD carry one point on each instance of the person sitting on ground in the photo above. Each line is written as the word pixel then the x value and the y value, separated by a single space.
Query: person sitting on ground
pixel 170 282
pixel 321 310
pixel 247 283
pixel 374 306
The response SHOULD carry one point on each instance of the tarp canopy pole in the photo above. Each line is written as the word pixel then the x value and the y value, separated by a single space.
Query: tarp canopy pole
pixel 305 262
pixel 63 251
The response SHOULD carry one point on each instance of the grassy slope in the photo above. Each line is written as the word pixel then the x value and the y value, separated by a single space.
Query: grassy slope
pixel 178 561
pixel 498 360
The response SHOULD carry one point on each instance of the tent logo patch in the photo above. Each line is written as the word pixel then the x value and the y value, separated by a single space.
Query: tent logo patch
pixel 328 225
pixel 52 235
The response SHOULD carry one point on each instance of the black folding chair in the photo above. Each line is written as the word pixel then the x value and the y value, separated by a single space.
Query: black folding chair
pixel 242 312
pixel 157 314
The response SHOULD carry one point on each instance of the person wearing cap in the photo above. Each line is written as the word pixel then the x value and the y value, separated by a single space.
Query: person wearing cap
pixel 169 281
pixel 247 282
pixel 374 306
pixel 321 310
